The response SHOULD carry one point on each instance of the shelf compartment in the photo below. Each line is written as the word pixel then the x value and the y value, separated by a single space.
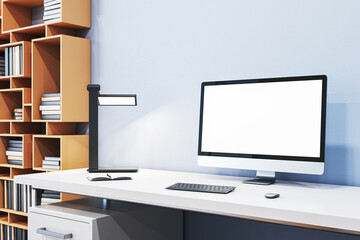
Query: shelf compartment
pixel 26 128
pixel 72 150
pixel 4 127
pixel 18 221
pixel 11 99
pixel 56 128
pixel 53 31
pixel 17 13
pixel 26 60
pixel 27 150
pixel 5 174
pixel 20 83
pixel 74 14
pixel 4 217
pixel 27 33
pixel 72 56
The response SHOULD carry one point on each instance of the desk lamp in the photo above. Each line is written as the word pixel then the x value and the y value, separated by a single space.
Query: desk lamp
pixel 96 99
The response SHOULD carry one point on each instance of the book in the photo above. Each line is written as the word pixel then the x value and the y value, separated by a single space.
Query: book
pixel 18 110
pixel 50 103
pixel 51 192
pixel 51 95
pixel 14 149
pixel 47 162
pixel 44 166
pixel 14 153
pixel 50 112
pixel 15 162
pixel 52 17
pixel 49 200
pixel 51 2
pixel 50 117
pixel 10 61
pixel 16 145
pixel 48 158
pixel 51 7
pixel 49 107
pixel 20 59
pixel 106 177
pixel 48 195
pixel 18 118
pixel 50 99
pixel 13 141
pixel 6 61
pixel 14 158
pixel 52 12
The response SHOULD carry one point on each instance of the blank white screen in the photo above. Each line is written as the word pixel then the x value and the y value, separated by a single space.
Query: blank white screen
pixel 277 118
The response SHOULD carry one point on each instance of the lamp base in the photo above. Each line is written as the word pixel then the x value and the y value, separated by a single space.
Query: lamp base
pixel 112 170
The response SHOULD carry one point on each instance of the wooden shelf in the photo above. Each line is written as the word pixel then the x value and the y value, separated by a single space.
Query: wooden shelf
pixel 14 98
pixel 17 14
pixel 72 150
pixel 27 148
pixel 26 60
pixel 54 60
pixel 72 56
pixel 14 212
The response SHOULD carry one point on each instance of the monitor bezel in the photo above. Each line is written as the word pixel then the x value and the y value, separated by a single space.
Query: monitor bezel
pixel 320 159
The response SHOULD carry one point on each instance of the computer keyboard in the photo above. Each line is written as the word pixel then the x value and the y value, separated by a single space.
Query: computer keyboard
pixel 201 188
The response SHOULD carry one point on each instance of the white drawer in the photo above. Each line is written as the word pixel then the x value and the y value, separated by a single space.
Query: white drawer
pixel 61 226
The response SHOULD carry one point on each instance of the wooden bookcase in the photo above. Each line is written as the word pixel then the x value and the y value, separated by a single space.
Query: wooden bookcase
pixel 54 61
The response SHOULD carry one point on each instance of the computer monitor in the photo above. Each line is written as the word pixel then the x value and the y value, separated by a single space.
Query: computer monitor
pixel 268 125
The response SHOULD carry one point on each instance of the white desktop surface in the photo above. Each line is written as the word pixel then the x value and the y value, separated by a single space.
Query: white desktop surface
pixel 320 206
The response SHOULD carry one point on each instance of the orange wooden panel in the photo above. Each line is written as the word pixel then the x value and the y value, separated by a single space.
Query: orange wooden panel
pixel 75 65
pixel 76 13
pixel 74 151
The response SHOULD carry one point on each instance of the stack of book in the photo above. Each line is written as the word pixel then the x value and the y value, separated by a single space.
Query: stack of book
pixel 51 163
pixel 18 114
pixel 22 197
pixel 14 152
pixel 50 197
pixel 50 106
pixel 13 61
pixel 52 10
pixel 2 64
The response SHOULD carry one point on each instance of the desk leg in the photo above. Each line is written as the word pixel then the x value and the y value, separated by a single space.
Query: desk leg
pixel 36 197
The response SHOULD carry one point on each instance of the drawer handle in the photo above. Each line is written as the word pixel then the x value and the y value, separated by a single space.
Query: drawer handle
pixel 56 235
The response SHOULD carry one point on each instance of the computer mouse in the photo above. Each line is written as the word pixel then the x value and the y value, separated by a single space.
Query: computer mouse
pixel 272 195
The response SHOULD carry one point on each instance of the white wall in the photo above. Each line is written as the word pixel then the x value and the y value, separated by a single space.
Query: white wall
pixel 162 50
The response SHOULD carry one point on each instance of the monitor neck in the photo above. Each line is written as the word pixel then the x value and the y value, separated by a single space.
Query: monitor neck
pixel 262 178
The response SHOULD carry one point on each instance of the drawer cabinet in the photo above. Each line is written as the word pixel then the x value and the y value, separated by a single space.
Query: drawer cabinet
pixel 96 219
pixel 53 227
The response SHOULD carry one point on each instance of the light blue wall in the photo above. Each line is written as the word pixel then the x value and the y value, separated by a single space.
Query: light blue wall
pixel 162 50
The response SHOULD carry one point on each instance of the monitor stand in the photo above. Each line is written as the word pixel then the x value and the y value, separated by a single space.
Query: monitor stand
pixel 262 178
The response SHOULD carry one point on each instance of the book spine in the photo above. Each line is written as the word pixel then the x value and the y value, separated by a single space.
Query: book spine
pixel 10 61
pixel 6 61
pixel 21 59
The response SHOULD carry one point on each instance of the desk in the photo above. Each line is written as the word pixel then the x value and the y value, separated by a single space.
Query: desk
pixel 318 206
